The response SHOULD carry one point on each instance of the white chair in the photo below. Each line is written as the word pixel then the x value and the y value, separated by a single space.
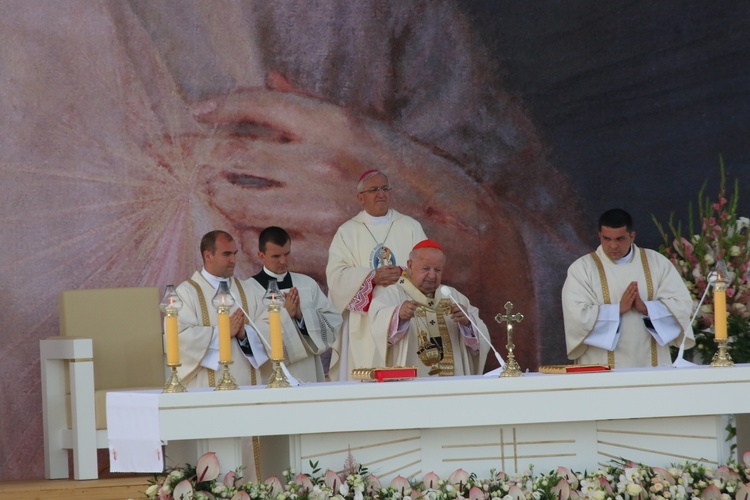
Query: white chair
pixel 110 339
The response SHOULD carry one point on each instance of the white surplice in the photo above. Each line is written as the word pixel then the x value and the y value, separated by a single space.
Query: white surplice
pixel 351 265
pixel 594 326
pixel 321 321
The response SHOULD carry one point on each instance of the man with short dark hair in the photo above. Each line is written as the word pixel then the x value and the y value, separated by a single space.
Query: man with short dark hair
pixel 309 321
pixel 198 320
pixel 623 305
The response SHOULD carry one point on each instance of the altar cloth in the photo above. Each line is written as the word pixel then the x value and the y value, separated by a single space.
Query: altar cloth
pixel 133 431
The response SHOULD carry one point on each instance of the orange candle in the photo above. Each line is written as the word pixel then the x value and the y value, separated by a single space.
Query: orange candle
pixel 225 346
pixel 720 313
pixel 173 348
pixel 277 344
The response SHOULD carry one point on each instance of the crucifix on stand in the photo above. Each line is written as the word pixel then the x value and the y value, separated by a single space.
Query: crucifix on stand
pixel 511 368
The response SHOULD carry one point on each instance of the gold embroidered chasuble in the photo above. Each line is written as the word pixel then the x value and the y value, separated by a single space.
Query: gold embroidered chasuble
pixel 431 326
pixel 594 280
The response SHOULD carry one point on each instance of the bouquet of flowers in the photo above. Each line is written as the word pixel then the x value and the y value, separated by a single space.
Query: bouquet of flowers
pixel 718 234
pixel 621 480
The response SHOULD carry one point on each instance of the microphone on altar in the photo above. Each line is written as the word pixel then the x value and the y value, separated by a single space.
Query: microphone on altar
pixel 680 361
pixel 447 292
pixel 292 381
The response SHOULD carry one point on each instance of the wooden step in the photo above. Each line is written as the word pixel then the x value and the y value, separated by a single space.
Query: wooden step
pixel 120 488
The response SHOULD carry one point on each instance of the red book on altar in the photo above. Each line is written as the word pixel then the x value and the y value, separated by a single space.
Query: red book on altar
pixel 385 374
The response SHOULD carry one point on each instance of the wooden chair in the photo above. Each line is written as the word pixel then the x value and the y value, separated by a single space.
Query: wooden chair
pixel 110 339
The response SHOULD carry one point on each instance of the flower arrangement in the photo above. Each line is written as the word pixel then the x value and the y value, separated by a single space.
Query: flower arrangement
pixel 720 236
pixel 622 480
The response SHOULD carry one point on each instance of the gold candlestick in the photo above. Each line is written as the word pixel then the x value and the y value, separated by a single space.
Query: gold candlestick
pixel 174 384
pixel 512 369
pixel 278 377
pixel 227 382
pixel 276 301
pixel 722 358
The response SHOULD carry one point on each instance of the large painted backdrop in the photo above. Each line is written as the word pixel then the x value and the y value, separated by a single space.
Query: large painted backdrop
pixel 129 129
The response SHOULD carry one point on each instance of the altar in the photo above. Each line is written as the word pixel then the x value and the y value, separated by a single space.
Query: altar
pixel 656 416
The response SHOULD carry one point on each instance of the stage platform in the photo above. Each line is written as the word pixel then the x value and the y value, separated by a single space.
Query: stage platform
pixel 119 487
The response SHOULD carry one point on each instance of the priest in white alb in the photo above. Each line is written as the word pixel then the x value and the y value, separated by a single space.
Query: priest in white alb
pixel 624 305
pixel 366 254
pixel 416 324
pixel 309 322
pixel 198 320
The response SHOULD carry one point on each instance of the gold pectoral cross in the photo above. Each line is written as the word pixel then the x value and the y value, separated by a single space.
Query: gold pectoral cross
pixel 511 368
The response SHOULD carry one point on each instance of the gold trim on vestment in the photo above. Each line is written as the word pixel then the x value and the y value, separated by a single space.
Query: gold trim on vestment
pixel 430 318
pixel 607 300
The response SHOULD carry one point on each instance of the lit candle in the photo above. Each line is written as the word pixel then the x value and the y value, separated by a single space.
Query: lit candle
pixel 225 346
pixel 277 344
pixel 170 306
pixel 720 312
pixel 173 347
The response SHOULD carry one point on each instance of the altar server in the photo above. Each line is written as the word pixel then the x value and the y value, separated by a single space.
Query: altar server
pixel 624 305
pixel 417 325
pixel 198 320
pixel 365 254
pixel 309 321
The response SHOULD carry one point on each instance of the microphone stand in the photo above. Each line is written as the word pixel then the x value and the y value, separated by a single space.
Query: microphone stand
pixel 680 361
pixel 447 292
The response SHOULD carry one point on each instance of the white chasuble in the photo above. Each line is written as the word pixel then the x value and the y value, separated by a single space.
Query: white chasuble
pixel 321 321
pixel 593 283
pixel 195 337
pixel 352 258
pixel 432 321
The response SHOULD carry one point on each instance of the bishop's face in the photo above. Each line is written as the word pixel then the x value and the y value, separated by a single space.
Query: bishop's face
pixel 375 200
pixel 616 241
pixel 426 269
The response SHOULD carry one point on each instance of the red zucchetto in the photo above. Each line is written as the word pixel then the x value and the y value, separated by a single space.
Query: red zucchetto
pixel 427 244
pixel 368 173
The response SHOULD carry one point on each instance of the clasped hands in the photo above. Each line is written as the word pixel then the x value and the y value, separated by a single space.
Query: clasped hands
pixel 291 303
pixel 632 300
pixel 386 275
pixel 409 307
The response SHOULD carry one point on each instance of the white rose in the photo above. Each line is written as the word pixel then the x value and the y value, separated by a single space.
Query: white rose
pixel 734 250
pixel 151 491
pixel 709 259
pixel 600 495
pixel 633 489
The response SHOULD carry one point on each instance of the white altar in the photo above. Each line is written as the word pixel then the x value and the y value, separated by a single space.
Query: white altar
pixel 656 416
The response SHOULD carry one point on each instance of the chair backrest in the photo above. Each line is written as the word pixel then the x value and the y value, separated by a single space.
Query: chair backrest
pixel 126 327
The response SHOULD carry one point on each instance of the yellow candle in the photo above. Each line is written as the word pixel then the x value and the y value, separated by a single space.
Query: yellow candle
pixel 720 313
pixel 277 344
pixel 173 348
pixel 225 346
